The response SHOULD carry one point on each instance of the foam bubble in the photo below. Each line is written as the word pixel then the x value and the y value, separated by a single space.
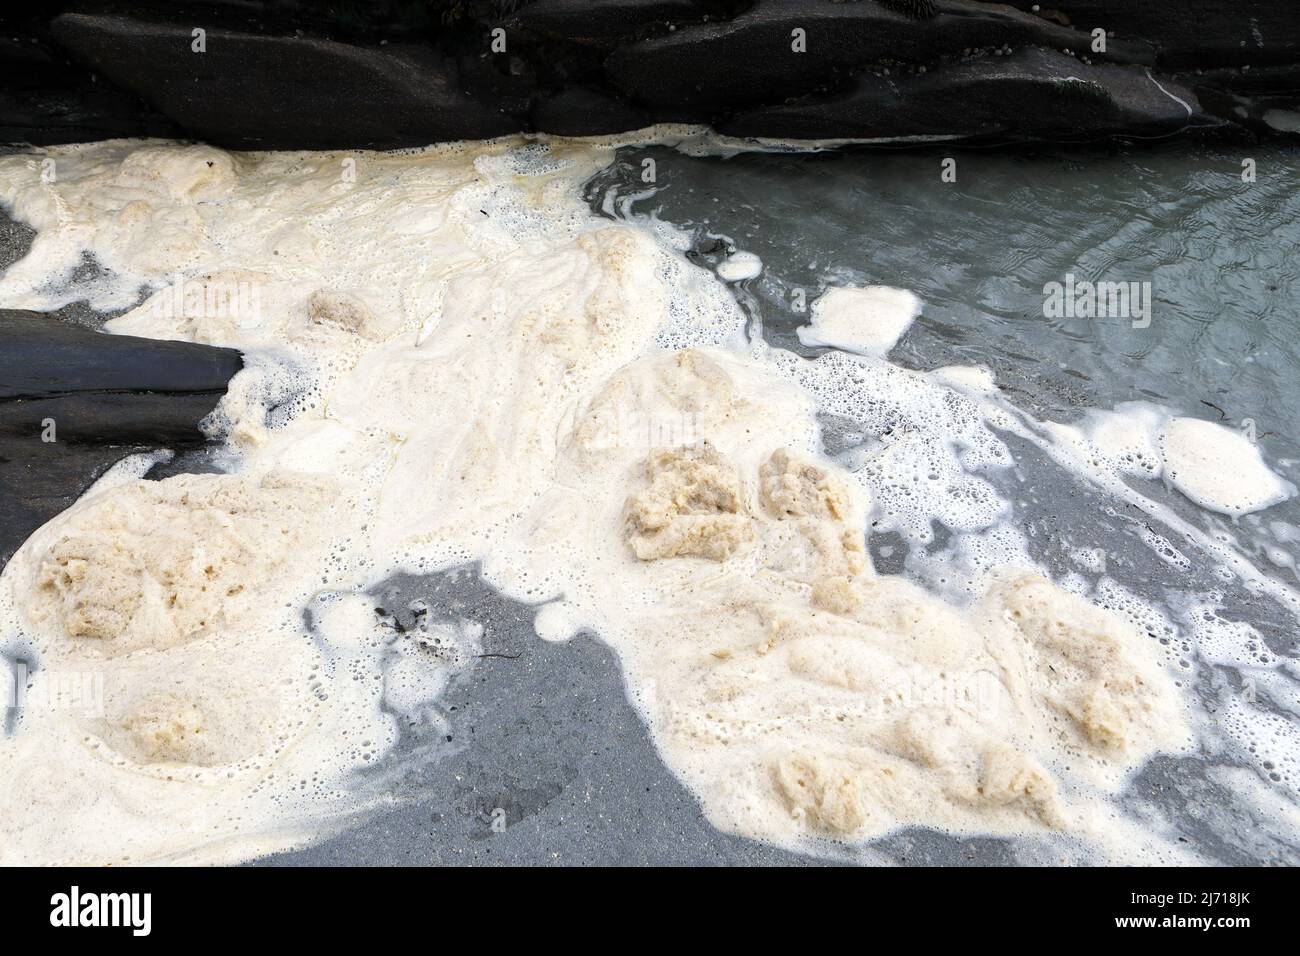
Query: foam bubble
pixel 740 266
pixel 869 320
pixel 1218 468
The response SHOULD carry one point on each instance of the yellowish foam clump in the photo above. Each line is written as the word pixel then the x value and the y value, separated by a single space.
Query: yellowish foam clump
pixel 801 694
pixel 868 721
pixel 693 506
pixel 167 728
pixel 154 564
pixel 793 489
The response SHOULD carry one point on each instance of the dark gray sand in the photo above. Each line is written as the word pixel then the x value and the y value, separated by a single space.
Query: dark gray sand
pixel 544 742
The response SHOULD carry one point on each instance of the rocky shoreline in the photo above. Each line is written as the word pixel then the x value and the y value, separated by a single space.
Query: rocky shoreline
pixel 297 75
pixel 74 402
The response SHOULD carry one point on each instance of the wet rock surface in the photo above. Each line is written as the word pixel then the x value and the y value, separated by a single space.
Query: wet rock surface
pixel 1031 94
pixel 294 75
pixel 74 402
pixel 1191 34
pixel 759 56
pixel 391 95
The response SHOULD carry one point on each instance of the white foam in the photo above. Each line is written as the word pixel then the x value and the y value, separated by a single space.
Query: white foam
pixel 966 378
pixel 1218 468
pixel 868 321
pixel 739 267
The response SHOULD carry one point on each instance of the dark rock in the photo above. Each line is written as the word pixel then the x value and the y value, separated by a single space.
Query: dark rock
pixel 1250 100
pixel 508 78
pixel 522 751
pixel 108 396
pixel 45 98
pixel 114 387
pixel 1282 80
pixel 251 91
pixel 38 483
pixel 584 112
pixel 390 73
pixel 1204 34
pixel 1033 94
pixel 721 66
pixel 601 22
pixel 917 9
pixel 1264 99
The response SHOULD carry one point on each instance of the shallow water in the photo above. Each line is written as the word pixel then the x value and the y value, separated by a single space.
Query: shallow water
pixel 1221 256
